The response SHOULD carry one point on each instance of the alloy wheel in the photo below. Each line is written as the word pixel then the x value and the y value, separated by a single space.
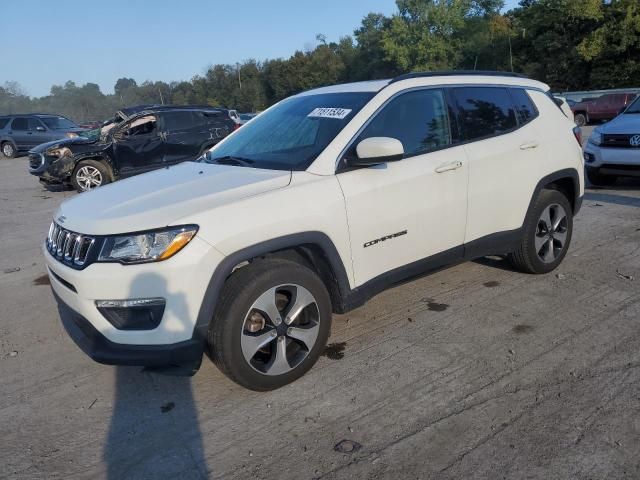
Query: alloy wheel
pixel 7 150
pixel 551 233
pixel 88 177
pixel 280 329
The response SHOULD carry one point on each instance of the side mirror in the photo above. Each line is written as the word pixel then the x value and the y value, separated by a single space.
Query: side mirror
pixel 40 128
pixel 377 150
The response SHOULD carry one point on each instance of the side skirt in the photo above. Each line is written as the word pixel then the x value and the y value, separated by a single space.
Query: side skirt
pixel 494 244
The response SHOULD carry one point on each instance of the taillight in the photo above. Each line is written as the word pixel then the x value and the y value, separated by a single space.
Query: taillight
pixel 577 132
pixel 236 127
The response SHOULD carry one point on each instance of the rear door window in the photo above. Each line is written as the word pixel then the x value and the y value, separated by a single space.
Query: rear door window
pixel 3 122
pixel 20 124
pixel 483 111
pixel 178 120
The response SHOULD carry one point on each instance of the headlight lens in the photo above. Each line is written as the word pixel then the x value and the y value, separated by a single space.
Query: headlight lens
pixel 596 137
pixel 71 135
pixel 59 152
pixel 147 246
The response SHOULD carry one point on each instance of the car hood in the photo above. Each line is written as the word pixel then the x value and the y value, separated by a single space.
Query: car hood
pixel 627 123
pixel 164 197
pixel 65 142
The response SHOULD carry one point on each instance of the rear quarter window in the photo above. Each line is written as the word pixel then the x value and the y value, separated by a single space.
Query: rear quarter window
pixel 483 111
pixel 525 107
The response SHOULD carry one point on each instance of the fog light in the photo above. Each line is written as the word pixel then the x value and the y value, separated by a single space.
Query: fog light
pixel 589 157
pixel 133 314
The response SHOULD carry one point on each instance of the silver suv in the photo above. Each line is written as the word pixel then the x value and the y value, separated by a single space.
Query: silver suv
pixel 613 149
pixel 20 133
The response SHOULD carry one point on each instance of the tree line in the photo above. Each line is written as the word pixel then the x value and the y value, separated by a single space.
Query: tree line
pixel 569 44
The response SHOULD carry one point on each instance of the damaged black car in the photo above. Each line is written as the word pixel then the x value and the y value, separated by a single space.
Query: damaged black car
pixel 137 140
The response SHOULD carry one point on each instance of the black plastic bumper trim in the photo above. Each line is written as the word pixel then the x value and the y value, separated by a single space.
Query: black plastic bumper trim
pixel 182 354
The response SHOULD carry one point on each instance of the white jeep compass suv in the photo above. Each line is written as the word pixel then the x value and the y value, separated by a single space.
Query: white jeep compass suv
pixel 317 204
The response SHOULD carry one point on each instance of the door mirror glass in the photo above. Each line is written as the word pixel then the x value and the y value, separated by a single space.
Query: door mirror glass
pixel 376 150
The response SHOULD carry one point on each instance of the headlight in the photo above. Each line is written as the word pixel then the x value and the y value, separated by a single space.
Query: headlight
pixel 71 135
pixel 146 247
pixel 596 137
pixel 59 152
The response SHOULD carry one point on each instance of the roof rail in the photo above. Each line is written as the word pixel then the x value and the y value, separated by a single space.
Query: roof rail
pixel 36 114
pixel 448 73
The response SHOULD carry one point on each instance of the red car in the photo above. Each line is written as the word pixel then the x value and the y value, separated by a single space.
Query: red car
pixel 605 107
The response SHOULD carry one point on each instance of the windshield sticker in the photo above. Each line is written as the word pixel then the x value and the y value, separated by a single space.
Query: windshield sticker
pixel 329 112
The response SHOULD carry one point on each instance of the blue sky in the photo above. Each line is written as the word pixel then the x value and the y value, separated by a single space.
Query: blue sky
pixel 49 42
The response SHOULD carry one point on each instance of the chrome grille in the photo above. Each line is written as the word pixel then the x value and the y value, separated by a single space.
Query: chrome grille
pixel 618 140
pixel 67 246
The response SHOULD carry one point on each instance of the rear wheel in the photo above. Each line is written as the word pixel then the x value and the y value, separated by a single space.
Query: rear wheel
pixel 598 179
pixel 8 150
pixel 271 325
pixel 90 174
pixel 547 234
pixel 580 119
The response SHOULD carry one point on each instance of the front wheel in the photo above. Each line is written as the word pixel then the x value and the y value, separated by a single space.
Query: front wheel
pixel 547 234
pixel 90 174
pixel 271 325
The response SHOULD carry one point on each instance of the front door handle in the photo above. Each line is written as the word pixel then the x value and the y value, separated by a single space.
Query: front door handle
pixel 448 166
pixel 529 145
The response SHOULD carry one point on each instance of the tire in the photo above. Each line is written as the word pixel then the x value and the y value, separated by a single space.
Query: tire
pixel 9 150
pixel 598 179
pixel 580 119
pixel 534 254
pixel 231 341
pixel 90 174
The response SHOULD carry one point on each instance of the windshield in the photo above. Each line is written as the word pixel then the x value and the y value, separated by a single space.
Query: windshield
pixel 292 134
pixel 634 107
pixel 58 123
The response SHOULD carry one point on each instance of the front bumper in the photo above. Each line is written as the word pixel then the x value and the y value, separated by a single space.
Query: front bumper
pixel 601 157
pixel 181 281
pixel 50 170
pixel 186 354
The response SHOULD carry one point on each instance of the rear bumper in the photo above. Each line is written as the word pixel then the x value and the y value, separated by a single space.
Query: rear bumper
pixel 186 354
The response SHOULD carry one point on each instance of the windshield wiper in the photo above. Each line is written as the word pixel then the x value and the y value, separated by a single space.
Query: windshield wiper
pixel 231 160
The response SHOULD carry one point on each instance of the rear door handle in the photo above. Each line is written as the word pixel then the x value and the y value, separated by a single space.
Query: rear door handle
pixel 448 166
pixel 528 145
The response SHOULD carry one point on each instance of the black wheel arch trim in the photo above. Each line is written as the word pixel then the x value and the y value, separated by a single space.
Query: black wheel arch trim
pixel 13 144
pixel 570 173
pixel 226 266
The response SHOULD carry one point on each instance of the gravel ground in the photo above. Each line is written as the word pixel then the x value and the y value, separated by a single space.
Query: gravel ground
pixel 474 372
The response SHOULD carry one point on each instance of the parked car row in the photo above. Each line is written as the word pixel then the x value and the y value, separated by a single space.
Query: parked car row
pixel 136 140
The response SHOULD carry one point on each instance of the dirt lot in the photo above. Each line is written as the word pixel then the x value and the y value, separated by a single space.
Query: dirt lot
pixel 473 372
